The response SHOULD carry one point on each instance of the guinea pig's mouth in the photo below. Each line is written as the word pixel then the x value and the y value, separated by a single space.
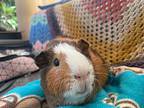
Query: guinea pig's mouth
pixel 82 91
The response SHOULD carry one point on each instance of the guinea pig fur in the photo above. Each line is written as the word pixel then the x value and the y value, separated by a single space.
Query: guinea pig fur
pixel 71 72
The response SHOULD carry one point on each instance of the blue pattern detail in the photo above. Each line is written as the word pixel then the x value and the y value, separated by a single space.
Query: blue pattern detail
pixel 40 29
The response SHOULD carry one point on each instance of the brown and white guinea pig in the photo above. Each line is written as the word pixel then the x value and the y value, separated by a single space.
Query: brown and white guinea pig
pixel 72 73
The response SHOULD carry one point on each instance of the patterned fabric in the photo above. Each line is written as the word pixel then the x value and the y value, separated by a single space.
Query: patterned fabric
pixel 43 27
pixel 115 28
pixel 122 91
pixel 28 96
pixel 16 70
pixel 5 87
pixel 16 67
pixel 133 63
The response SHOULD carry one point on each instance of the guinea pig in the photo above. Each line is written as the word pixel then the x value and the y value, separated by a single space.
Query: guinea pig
pixel 71 72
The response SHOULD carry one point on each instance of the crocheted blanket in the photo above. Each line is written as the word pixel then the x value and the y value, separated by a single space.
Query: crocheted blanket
pixel 114 28
pixel 122 91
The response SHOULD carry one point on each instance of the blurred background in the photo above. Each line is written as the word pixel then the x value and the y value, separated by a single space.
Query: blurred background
pixel 15 14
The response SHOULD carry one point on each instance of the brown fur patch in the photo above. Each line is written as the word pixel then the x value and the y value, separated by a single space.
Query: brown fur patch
pixel 55 80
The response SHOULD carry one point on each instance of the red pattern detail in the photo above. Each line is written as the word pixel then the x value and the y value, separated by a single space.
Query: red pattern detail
pixel 106 9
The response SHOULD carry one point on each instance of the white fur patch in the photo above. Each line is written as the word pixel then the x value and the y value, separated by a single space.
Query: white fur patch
pixel 79 64
pixel 76 60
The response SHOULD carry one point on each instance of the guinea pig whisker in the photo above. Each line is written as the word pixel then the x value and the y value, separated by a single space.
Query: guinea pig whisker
pixel 101 73
pixel 58 82
pixel 104 64
pixel 98 83
pixel 65 81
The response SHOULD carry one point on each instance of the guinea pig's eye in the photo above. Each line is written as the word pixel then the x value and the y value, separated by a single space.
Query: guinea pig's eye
pixel 56 62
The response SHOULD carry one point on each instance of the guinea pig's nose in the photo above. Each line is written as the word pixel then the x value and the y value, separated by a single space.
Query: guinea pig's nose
pixel 81 76
pixel 77 77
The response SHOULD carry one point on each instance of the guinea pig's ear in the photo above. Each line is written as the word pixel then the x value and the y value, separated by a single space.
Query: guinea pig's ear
pixel 84 46
pixel 43 59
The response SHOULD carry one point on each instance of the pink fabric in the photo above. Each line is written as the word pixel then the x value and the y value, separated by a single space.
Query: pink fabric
pixel 38 46
pixel 106 9
pixel 15 67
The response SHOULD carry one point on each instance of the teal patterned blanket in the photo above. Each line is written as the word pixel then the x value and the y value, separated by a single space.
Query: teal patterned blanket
pixel 123 91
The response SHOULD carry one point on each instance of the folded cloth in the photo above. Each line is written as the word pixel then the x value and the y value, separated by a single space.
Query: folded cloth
pixel 123 91
pixel 16 67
